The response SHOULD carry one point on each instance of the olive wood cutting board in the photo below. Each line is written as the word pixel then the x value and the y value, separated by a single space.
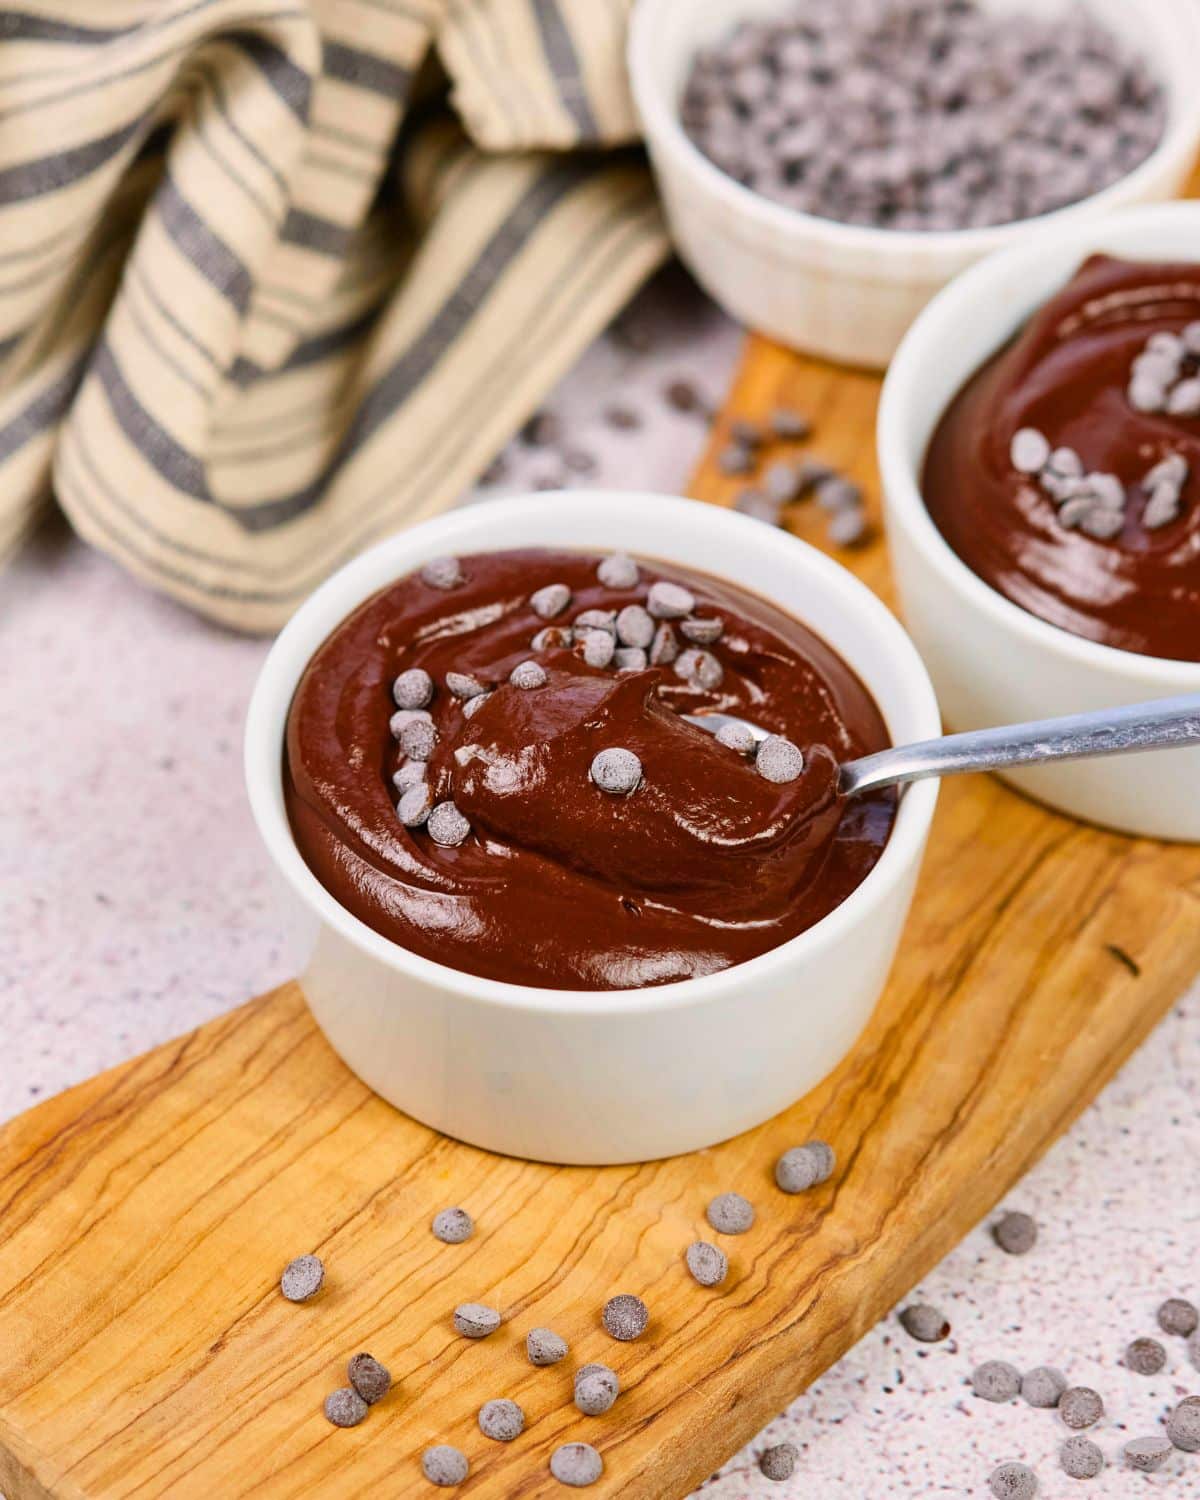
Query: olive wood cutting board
pixel 145 1216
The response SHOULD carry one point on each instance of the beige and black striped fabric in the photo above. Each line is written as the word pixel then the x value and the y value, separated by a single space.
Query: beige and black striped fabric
pixel 264 298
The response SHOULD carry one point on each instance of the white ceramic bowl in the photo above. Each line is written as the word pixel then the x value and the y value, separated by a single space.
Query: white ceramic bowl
pixel 991 661
pixel 841 290
pixel 603 1076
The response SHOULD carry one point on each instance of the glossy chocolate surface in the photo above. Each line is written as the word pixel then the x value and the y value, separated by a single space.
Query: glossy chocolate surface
pixel 1067 374
pixel 560 884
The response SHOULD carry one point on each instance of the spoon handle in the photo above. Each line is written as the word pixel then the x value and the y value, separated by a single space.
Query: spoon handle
pixel 1110 731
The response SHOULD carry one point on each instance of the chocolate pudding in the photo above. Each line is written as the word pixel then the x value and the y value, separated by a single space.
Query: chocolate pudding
pixel 537 811
pixel 1065 473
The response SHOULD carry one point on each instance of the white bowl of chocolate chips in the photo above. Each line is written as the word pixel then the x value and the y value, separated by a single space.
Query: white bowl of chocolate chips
pixel 826 167
pixel 736 922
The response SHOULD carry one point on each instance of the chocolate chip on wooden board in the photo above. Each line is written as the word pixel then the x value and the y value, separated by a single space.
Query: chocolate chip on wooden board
pixel 302 1278
pixel 474 1320
pixel 445 1466
pixel 345 1407
pixel 545 1347
pixel 576 1465
pixel 730 1213
pixel 625 1317
pixel 502 1420
pixel 452 1226
pixel 369 1378
pixel 708 1264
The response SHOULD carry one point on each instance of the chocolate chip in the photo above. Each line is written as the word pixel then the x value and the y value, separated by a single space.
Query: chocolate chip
pixel 1147 1453
pixel 599 648
pixel 1013 1481
pixel 1080 1406
pixel 1145 1357
pixel 699 669
pixel 1067 462
pixel 996 1380
pixel 781 483
pixel 838 493
pixel 444 1466
pixel 737 737
pixel 616 771
pixel 345 1407
pixel 630 659
pixel 735 459
pixel 924 1323
pixel 702 632
pixel 625 1317
pixel 730 1213
pixel 682 395
pixel 369 1378
pixel 405 716
pixel 635 627
pixel 417 739
pixel 452 1226
pixel 759 506
pixel 748 434
pixel 1178 1316
pixel 409 774
pixel 1193 1348
pixel 779 1462
pixel 1029 451
pixel 1147 394
pixel 1015 1233
pixel 669 601
pixel 1183 1425
pixel 542 430
pixel 302 1278
pixel 848 527
pixel 664 648
pixel 528 674
pixel 475 1321
pixel 576 1464
pixel 472 705
pixel 553 638
pixel 545 1347
pixel 790 425
pixel 415 805
pixel 1184 399
pixel 597 619
pixel 778 760
pixel 550 601
pixel 502 1420
pixel 413 689
pixel 623 419
pixel 594 1395
pixel 826 1158
pixel 579 461
pixel 464 685
pixel 447 826
pixel 618 571
pixel 442 572
pixel 798 1169
pixel 1043 1386
pixel 595 1368
pixel 1081 1458
pixel 708 1263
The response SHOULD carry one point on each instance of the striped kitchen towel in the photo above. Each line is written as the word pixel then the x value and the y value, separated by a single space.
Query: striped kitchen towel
pixel 278 277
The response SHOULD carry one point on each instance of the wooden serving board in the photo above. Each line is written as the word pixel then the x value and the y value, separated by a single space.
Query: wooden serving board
pixel 145 1216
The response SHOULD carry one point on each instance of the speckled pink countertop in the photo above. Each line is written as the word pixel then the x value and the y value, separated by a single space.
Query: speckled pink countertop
pixel 134 904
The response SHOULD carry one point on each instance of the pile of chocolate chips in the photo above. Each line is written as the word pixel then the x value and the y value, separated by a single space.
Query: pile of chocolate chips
pixel 923 114
pixel 1096 503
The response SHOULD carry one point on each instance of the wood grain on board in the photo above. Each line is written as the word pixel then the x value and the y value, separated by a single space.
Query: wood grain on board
pixel 145 1216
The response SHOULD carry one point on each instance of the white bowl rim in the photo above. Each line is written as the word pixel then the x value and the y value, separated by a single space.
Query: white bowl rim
pixel 661 124
pixel 455 531
pixel 944 318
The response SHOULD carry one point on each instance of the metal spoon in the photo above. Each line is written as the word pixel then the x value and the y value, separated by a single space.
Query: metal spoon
pixel 1162 724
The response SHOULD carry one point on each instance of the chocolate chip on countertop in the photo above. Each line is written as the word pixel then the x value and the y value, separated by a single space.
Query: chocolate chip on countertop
pixel 730 1213
pixel 442 572
pixel 1145 1357
pixel 476 1321
pixel 445 1466
pixel 542 430
pixel 1147 1453
pixel 996 1380
pixel 502 1420
pixel 369 1378
pixel 576 1464
pixel 625 1317
pixel 622 418
pixel 452 1226
pixel 708 1263
pixel 446 826
pixel 345 1407
pixel 1043 1386
pixel 779 1462
pixel 1193 1348
pixel 1015 1233
pixel 413 689
pixel 618 571
pixel 924 1323
pixel 1183 1425
pixel 616 771
pixel 1080 1406
pixel 1178 1316
pixel 1013 1481
pixel 545 1347
pixel 682 395
pixel 302 1278
pixel 1080 1457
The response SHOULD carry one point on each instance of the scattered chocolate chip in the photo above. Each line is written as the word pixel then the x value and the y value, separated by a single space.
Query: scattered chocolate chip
pixel 848 527
pixel 369 1378
pixel 798 1169
pixel 1015 1233
pixel 737 737
pixel 616 771
pixel 781 483
pixel 790 425
pixel 1013 1481
pixel 747 434
pixel 345 1407
pixel 630 659
pixel 545 1347
pixel 702 632
pixel 811 473
pixel 778 760
pixel 622 418
pixel 780 1461
pixel 625 1317
pixel 699 669
pixel 442 572
pixel 730 1213
pixel 826 1158
pixel 1178 1316
pixel 664 648
pixel 579 461
pixel 924 1323
pixel 472 705
pixel 708 1263
pixel 413 689
pixel 1193 1348
pixel 1080 1406
pixel 542 430
pixel 669 601
pixel 1080 1457
pixel 502 1420
pixel 603 1371
pixel 618 571
pixel 597 619
pixel 1043 1386
pixel 302 1278
pixel 594 1394
pixel 464 685
pixel 735 459
pixel 409 774
pixel 576 1464
pixel 415 805
pixel 682 395
pixel 1145 1357
pixel 452 1226
pixel 403 717
pixel 528 674
pixel 996 1380
pixel 417 739
pixel 599 648
pixel 836 493
pixel 550 601
pixel 475 1321
pixel 760 507
pixel 447 826
pixel 635 626
pixel 1147 1453
pixel 444 1466
pixel 553 638
pixel 1183 1425
pixel 1029 451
